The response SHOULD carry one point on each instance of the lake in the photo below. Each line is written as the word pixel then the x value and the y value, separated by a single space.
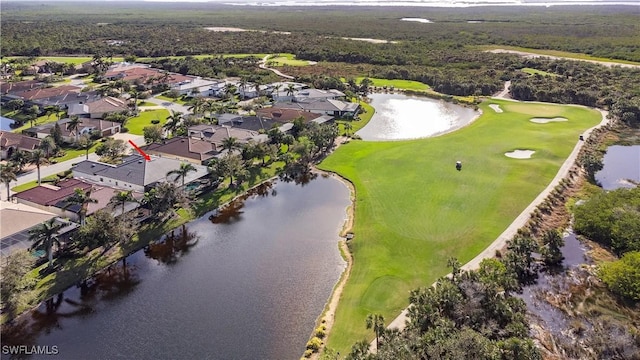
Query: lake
pixel 400 117
pixel 248 283
pixel 621 167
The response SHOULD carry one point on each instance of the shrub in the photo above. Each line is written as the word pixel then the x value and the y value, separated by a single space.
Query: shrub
pixel 155 121
pixel 314 344
pixel 623 276
pixel 320 332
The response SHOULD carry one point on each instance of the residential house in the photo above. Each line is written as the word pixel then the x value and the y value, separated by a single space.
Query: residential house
pixel 11 142
pixel 64 96
pixel 336 108
pixel 218 88
pixel 86 127
pixel 309 95
pixel 19 86
pixel 284 90
pixel 133 173
pixel 148 77
pixel 283 116
pixel 99 108
pixel 252 123
pixel 53 198
pixel 194 86
pixel 184 148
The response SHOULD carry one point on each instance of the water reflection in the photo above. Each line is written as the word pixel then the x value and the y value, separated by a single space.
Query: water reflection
pixel 400 116
pixel 173 246
pixel 621 167
pixel 269 275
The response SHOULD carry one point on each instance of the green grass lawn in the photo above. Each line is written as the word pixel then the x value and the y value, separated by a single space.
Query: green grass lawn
pixel 166 98
pixel 138 123
pixel 414 211
pixel 398 84
pixel 565 54
pixel 359 124
pixel 38 121
pixel 287 59
pixel 532 71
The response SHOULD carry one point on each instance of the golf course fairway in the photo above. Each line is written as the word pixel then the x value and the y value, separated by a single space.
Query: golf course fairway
pixel 414 210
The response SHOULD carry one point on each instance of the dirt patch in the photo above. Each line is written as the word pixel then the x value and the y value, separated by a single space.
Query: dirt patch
pixel 538 120
pixel 519 154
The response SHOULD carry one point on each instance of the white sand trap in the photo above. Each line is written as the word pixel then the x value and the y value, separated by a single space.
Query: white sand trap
pixel 519 154
pixel 420 20
pixel 496 108
pixel 548 120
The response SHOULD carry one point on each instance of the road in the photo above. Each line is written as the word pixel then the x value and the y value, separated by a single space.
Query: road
pixel 171 106
pixel 263 65
pixel 400 321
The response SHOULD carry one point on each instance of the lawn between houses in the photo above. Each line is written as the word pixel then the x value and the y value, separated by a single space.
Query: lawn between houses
pixel 414 211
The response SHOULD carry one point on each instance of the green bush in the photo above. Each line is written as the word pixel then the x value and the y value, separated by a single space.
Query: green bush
pixel 321 332
pixel 155 121
pixel 314 344
pixel 623 276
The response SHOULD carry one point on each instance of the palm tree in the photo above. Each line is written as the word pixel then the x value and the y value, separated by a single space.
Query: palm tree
pixel 290 90
pixel 230 91
pixel 257 84
pixel 85 143
pixel 135 94
pixel 347 128
pixel 74 125
pixel 183 171
pixel 7 175
pixel 197 105
pixel 19 159
pixel 376 322
pixel 48 145
pixel 46 234
pixel 37 159
pixel 121 198
pixel 173 121
pixel 243 86
pixel 229 143
pixel 212 107
pixel 82 198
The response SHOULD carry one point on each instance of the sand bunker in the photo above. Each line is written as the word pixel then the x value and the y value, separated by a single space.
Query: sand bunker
pixel 225 29
pixel 496 108
pixel 520 154
pixel 547 120
pixel 420 20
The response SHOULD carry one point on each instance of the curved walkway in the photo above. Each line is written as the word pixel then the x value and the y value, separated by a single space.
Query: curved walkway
pixel 400 321
pixel 263 65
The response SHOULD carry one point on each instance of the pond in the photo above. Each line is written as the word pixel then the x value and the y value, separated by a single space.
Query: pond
pixel 400 117
pixel 621 167
pixel 247 282
pixel 5 123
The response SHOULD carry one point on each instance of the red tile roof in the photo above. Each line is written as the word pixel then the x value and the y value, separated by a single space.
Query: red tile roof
pixel 44 93
pixel 50 195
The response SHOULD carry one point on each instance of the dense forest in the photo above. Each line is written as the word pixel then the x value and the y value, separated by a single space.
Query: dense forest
pixel 178 28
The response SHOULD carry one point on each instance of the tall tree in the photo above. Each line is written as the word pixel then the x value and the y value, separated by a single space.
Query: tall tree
pixel 19 158
pixel 37 158
pixel 45 235
pixel 121 199
pixel 48 145
pixel 182 172
pixel 85 143
pixel 173 122
pixel 73 126
pixel 7 175
pixel 229 143
pixel 376 322
pixel 81 198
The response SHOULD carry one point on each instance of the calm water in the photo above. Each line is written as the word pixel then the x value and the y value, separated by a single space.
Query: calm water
pixel 5 123
pixel 400 116
pixel 621 164
pixel 247 284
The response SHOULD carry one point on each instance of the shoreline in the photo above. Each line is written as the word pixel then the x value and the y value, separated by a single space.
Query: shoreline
pixel 327 316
